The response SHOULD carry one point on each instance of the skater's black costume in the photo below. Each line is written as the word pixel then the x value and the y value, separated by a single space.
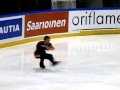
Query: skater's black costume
pixel 41 50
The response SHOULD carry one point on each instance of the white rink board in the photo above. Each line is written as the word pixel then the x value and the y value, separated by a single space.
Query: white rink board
pixel 118 13
pixel 94 19
pixel 14 38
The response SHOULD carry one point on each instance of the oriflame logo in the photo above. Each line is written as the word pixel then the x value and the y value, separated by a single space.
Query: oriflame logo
pixel 93 19
pixel 90 18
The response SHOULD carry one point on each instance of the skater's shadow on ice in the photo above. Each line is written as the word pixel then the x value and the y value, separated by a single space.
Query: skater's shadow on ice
pixel 39 70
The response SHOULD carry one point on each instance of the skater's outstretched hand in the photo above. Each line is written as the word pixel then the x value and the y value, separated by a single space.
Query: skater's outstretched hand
pixel 50 47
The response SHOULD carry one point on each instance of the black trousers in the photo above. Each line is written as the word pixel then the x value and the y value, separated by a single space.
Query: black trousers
pixel 44 56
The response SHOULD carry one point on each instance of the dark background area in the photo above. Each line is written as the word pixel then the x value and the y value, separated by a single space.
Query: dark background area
pixel 16 6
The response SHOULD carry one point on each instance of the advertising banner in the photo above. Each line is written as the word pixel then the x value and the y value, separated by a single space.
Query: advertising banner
pixel 118 19
pixel 46 23
pixel 10 28
pixel 93 19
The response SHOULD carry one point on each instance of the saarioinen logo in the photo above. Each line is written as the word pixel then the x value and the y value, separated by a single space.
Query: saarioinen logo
pixel 10 28
pixel 95 18
pixel 45 24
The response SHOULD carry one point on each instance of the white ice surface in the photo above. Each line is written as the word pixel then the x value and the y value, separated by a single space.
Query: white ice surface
pixel 88 63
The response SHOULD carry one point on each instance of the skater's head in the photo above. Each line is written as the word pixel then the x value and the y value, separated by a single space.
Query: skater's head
pixel 47 39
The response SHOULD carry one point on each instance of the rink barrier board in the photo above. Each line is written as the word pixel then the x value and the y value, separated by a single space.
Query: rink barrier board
pixel 36 39
pixel 46 23
pixel 98 32
pixel 93 20
pixel 81 33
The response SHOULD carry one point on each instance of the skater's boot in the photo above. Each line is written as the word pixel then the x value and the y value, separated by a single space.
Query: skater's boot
pixel 56 63
pixel 42 66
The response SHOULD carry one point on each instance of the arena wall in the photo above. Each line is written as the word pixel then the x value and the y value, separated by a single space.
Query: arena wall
pixel 28 27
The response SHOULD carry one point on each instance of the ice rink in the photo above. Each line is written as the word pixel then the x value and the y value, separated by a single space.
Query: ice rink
pixel 88 63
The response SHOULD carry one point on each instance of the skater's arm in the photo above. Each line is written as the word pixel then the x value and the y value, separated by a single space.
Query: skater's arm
pixel 50 47
pixel 46 47
pixel 41 45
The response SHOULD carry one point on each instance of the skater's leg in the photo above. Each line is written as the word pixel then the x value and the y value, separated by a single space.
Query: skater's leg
pixel 51 58
pixel 42 62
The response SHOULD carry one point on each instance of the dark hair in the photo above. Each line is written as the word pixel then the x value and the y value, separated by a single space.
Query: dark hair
pixel 46 37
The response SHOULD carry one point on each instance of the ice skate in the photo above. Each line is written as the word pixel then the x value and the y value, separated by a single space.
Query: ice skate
pixel 56 63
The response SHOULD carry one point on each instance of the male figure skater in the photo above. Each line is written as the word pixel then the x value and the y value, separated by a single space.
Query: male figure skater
pixel 40 52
